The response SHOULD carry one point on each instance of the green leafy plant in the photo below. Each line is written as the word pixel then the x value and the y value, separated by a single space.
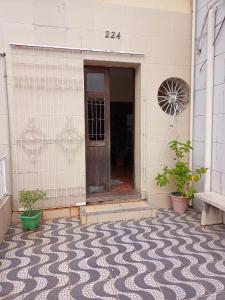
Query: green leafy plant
pixel 28 198
pixel 180 174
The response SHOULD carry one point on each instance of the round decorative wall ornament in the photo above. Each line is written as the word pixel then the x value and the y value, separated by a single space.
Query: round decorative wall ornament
pixel 173 95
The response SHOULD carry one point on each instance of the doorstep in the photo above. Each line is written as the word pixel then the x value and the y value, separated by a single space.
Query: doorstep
pixel 113 197
pixel 100 213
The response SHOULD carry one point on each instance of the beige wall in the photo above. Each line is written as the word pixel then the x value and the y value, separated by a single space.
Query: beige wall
pixel 171 5
pixel 46 87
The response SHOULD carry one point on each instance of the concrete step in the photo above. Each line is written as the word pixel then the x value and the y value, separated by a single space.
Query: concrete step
pixel 100 213
pixel 113 197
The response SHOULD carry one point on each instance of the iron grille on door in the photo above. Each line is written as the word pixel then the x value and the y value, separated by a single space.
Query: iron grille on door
pixel 96 119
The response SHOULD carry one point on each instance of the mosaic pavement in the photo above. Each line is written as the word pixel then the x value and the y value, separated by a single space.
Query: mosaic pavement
pixel 170 257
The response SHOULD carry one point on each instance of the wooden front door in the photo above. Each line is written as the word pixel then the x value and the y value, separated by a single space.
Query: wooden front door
pixel 97 120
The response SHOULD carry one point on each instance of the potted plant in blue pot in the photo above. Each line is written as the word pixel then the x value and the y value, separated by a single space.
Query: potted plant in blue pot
pixel 30 218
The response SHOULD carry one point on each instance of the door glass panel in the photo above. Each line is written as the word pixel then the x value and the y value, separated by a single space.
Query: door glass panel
pixel 95 82
pixel 96 120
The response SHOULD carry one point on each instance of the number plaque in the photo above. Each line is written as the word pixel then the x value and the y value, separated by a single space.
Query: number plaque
pixel 112 35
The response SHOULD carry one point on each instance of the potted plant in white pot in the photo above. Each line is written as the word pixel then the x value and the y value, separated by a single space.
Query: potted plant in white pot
pixel 181 175
pixel 30 218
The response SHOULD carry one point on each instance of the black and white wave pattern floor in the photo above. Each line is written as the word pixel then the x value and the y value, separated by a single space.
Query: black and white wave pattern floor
pixel 170 257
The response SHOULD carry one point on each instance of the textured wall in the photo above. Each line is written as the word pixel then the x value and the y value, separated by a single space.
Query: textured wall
pixel 47 121
pixel 162 34
pixel 218 146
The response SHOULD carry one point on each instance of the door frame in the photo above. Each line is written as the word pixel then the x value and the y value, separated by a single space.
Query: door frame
pixel 104 68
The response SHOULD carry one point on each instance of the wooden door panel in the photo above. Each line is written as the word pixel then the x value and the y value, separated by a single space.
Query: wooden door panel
pixel 97 130
pixel 97 172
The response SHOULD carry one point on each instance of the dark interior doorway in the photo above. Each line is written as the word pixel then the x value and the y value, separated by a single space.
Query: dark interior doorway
pixel 121 81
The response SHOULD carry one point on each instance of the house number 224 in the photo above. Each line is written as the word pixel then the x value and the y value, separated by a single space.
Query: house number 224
pixel 112 35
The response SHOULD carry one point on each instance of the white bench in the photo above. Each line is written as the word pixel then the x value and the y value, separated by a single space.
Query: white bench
pixel 214 208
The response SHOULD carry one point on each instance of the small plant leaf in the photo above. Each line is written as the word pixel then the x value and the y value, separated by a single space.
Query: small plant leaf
pixel 28 198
